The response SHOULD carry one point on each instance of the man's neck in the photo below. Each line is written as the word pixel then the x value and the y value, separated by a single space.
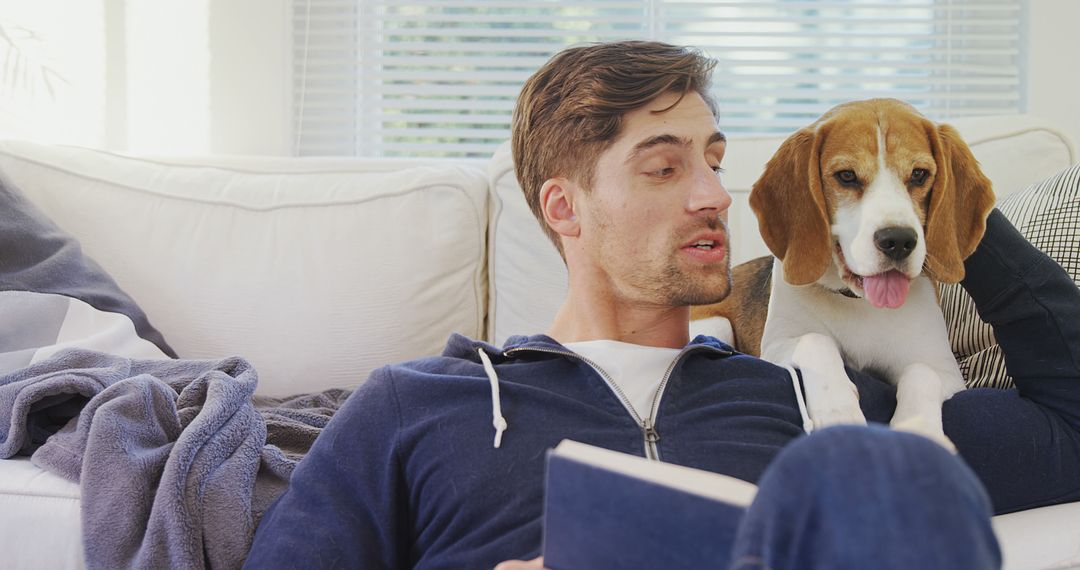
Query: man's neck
pixel 585 317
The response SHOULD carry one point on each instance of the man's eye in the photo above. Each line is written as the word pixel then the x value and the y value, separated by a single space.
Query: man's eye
pixel 663 172
pixel 919 176
pixel 718 169
pixel 847 178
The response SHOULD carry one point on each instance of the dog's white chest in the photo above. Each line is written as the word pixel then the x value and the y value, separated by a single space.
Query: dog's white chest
pixel 888 339
pixel 885 341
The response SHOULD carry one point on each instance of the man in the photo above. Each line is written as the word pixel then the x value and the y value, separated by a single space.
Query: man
pixel 440 462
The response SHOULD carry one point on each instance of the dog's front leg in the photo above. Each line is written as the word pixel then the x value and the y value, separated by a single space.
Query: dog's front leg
pixel 831 397
pixel 919 395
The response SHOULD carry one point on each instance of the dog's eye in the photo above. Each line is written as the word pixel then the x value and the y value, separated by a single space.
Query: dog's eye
pixel 919 176
pixel 847 178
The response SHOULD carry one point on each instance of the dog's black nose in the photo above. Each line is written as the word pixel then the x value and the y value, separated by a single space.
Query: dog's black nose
pixel 896 243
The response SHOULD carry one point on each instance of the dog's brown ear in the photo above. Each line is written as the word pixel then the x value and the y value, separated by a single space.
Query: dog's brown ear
pixel 790 207
pixel 960 201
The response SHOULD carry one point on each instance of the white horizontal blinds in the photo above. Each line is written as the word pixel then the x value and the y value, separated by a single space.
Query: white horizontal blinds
pixel 781 64
pixel 326 72
pixel 446 73
pixel 439 78
pixel 436 78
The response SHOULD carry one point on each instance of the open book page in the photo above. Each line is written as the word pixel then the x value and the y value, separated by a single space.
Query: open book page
pixel 699 482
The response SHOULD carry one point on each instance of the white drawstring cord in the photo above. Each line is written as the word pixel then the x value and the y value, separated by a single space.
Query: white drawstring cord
pixel 807 423
pixel 496 407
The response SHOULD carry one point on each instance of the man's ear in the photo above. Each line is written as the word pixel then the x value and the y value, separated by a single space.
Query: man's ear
pixel 557 202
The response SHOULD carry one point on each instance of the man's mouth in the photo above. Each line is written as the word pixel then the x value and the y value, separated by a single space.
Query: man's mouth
pixel 707 249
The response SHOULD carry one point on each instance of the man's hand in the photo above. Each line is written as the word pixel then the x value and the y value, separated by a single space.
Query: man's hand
pixel 534 564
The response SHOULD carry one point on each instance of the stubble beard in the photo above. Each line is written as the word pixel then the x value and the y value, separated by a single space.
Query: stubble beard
pixel 687 290
pixel 677 287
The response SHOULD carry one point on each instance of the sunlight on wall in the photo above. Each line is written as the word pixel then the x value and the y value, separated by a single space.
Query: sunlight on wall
pixel 52 62
pixel 123 75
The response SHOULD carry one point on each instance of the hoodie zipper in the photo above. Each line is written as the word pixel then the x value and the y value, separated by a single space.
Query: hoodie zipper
pixel 649 434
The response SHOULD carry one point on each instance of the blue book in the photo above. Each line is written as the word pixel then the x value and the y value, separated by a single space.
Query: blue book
pixel 607 509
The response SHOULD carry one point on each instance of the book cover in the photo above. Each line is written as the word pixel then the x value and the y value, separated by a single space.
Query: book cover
pixel 606 509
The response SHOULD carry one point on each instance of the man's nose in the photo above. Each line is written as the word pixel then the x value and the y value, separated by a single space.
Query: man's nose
pixel 708 192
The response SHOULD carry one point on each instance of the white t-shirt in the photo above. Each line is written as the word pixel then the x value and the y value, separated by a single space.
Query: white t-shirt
pixel 637 370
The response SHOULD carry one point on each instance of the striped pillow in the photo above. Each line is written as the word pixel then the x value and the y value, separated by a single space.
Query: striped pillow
pixel 54 297
pixel 1047 213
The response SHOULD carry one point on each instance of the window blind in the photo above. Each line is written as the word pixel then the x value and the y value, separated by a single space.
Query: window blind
pixel 439 77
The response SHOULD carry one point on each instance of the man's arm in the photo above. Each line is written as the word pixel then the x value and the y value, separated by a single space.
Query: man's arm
pixel 1024 444
pixel 344 507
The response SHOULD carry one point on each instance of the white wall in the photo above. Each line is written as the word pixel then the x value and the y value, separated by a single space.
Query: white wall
pixel 206 77
pixel 1054 69
pixel 213 76
pixel 250 79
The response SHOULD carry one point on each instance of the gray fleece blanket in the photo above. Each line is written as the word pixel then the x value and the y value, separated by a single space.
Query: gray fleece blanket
pixel 176 460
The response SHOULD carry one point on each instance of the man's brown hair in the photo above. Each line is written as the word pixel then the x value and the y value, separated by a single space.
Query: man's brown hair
pixel 571 109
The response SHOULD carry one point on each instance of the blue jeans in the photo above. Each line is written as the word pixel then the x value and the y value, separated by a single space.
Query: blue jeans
pixel 867 497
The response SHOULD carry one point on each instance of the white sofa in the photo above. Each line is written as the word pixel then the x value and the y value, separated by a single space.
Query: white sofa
pixel 320 270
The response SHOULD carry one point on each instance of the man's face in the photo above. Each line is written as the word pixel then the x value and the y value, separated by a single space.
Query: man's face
pixel 655 222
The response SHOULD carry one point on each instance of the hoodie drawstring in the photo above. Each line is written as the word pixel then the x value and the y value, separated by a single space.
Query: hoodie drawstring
pixel 807 423
pixel 496 406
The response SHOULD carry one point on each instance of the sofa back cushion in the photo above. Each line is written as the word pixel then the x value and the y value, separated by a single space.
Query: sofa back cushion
pixel 528 279
pixel 316 272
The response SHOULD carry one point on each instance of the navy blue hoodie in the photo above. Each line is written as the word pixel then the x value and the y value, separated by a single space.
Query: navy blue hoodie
pixel 406 474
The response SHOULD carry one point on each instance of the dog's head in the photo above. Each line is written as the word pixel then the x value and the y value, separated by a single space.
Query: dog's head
pixel 869 197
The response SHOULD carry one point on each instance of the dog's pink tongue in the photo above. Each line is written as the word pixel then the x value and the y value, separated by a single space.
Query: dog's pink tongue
pixel 887 289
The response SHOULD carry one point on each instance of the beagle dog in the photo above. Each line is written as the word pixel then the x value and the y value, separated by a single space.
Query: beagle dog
pixel 862 210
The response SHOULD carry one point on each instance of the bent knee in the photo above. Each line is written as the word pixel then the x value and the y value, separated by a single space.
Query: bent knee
pixel 860 452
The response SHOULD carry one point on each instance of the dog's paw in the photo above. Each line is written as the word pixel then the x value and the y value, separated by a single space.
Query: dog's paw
pixel 838 416
pixel 923 426
pixel 835 404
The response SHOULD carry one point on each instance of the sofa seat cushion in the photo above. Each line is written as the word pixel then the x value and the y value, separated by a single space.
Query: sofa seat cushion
pixel 1040 539
pixel 39 517
pixel 42 509
pixel 315 275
